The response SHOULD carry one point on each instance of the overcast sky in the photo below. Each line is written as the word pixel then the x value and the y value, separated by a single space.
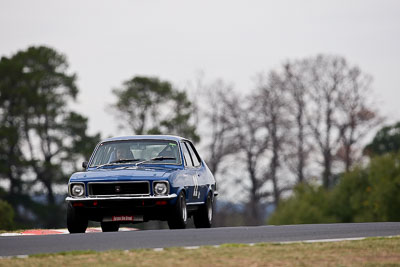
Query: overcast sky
pixel 107 42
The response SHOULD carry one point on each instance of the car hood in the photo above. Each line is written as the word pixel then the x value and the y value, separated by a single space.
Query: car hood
pixel 129 174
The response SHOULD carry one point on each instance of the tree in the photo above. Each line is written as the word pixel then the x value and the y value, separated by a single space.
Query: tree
pixel 369 194
pixel 272 103
pixel 220 134
pixel 253 143
pixel 49 89
pixel 358 115
pixel 319 104
pixel 150 106
pixel 334 100
pixel 179 120
pixel 258 124
pixel 81 144
pixel 38 88
pixel 308 116
pixel 308 204
pixel 325 80
pixel 293 83
pixel 365 194
pixel 6 216
pixel 386 140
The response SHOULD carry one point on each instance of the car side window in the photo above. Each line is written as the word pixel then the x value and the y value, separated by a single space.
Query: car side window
pixel 186 156
pixel 195 158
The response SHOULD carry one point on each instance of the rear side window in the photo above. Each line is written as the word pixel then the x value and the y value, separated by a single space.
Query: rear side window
pixel 195 158
pixel 186 156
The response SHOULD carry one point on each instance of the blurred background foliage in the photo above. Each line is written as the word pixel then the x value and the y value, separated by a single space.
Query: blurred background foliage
pixel 41 138
pixel 295 148
pixel 365 194
pixel 6 216
pixel 146 105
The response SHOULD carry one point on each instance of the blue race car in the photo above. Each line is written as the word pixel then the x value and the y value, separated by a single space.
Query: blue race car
pixel 140 178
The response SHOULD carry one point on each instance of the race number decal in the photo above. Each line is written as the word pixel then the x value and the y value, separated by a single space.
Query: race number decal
pixel 196 192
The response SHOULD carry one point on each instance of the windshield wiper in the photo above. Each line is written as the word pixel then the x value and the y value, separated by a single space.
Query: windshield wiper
pixel 124 160
pixel 154 159
pixel 116 161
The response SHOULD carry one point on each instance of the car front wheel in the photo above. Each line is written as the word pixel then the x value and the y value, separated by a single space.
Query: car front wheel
pixel 203 217
pixel 76 221
pixel 178 218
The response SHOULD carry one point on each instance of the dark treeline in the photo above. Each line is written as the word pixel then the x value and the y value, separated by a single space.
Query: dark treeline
pixel 368 193
pixel 41 138
pixel 305 123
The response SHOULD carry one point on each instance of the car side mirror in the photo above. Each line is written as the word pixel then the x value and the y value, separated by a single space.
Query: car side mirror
pixel 84 164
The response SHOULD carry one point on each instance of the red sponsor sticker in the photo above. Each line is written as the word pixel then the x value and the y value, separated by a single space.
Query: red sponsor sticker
pixel 122 218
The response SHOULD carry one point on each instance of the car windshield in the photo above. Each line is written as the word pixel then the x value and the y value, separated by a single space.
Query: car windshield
pixel 136 151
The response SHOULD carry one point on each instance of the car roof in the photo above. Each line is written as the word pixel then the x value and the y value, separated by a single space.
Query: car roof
pixel 148 137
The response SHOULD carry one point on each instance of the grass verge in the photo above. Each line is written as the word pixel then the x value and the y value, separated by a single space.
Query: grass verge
pixel 368 252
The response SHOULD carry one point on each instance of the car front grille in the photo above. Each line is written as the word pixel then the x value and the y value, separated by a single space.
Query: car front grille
pixel 119 189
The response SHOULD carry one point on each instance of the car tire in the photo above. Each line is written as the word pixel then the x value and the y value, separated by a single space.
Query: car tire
pixel 76 221
pixel 109 226
pixel 179 216
pixel 204 215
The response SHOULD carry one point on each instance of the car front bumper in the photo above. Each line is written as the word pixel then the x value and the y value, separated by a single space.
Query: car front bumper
pixel 91 198
pixel 105 207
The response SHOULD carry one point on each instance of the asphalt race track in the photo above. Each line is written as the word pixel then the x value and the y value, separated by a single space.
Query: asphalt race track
pixel 25 245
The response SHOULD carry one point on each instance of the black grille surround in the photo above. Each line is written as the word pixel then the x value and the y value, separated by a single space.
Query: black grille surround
pixel 140 188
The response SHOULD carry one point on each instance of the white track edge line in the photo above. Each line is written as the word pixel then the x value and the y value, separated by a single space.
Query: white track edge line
pixel 192 247
pixel 322 240
pixel 16 256
pixel 249 244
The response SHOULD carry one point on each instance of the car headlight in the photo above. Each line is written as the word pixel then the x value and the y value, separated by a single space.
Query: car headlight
pixel 160 188
pixel 77 190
